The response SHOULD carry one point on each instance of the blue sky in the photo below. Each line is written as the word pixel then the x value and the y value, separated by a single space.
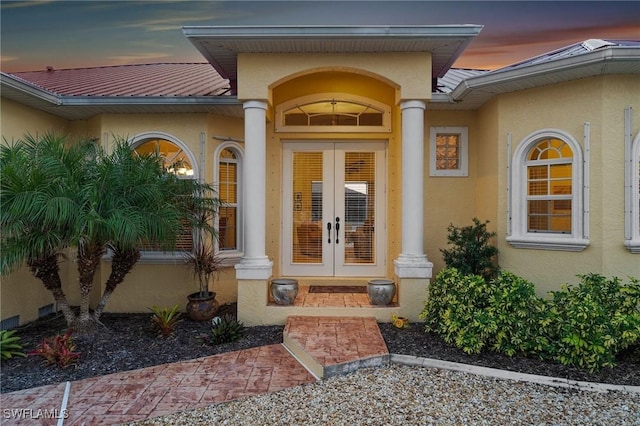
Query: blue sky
pixel 69 34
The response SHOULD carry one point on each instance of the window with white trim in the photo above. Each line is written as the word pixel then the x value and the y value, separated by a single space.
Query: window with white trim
pixel 547 194
pixel 179 160
pixel 449 151
pixel 228 172
pixel 632 198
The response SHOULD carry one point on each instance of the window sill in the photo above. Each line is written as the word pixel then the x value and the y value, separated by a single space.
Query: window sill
pixel 633 246
pixel 548 243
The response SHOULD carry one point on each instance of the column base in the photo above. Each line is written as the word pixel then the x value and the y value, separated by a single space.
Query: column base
pixel 412 266
pixel 259 268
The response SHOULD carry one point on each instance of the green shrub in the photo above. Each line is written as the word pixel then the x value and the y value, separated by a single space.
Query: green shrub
pixel 9 345
pixel 164 320
pixel 225 329
pixel 471 254
pixel 58 350
pixel 589 324
pixel 473 313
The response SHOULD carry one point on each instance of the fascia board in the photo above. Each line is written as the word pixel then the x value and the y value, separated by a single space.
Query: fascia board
pixel 146 100
pixel 340 31
pixel 495 79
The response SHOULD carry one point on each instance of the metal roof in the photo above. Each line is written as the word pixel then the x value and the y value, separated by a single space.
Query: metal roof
pixel 163 79
pixel 81 93
pixel 222 44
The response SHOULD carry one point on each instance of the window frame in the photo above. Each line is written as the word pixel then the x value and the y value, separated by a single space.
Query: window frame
pixel 520 237
pixel 330 97
pixel 230 257
pixel 632 197
pixel 463 169
pixel 148 256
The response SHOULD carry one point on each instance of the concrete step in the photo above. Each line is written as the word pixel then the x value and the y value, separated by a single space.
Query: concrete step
pixel 329 346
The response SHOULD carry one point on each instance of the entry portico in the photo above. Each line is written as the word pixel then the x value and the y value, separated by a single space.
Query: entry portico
pixel 392 66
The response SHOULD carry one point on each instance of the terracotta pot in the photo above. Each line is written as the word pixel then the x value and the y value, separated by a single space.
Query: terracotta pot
pixel 202 307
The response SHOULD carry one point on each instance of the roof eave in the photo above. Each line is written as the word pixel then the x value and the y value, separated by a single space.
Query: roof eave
pixel 496 79
pixel 13 82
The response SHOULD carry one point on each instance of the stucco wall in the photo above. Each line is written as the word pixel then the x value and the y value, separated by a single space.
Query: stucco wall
pixel 260 73
pixel 449 199
pixel 600 102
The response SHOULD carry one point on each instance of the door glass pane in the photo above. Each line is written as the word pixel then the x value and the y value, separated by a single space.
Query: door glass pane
pixel 359 207
pixel 307 207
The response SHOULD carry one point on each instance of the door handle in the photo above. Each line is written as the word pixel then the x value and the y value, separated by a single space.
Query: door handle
pixel 329 232
pixel 337 230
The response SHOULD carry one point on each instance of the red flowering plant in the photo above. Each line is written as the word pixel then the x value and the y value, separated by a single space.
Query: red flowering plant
pixel 58 350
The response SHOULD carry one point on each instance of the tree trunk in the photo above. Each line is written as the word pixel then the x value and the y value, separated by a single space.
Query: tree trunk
pixel 122 263
pixel 47 270
pixel 89 258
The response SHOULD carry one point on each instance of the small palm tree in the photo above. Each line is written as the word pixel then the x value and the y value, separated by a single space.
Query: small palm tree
pixel 40 185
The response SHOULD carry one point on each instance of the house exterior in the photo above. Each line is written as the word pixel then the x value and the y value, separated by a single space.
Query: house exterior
pixel 343 153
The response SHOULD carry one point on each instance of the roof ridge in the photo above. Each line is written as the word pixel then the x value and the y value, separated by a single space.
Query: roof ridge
pixel 50 68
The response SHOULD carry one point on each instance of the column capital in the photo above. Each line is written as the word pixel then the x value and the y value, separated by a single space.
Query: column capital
pixel 413 103
pixel 254 103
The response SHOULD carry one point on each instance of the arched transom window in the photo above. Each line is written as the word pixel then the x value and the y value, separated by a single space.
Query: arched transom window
pixel 333 112
pixel 175 158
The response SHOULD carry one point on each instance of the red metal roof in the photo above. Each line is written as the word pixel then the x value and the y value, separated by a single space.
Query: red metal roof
pixel 163 79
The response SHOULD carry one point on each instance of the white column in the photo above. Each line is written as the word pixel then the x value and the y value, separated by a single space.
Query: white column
pixel 255 264
pixel 412 262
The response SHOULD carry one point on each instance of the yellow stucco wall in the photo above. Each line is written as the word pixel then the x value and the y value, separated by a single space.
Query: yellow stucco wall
pixel 259 73
pixel 599 101
pixel 17 119
pixel 448 199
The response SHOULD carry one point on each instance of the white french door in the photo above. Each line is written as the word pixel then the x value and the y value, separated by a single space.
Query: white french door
pixel 334 208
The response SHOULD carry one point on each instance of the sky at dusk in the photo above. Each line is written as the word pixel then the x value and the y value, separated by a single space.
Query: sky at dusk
pixel 71 34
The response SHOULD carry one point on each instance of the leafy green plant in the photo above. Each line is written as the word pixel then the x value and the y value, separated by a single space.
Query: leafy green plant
pixel 58 350
pixel 164 320
pixel 225 329
pixel 473 313
pixel 590 323
pixel 9 345
pixel 472 252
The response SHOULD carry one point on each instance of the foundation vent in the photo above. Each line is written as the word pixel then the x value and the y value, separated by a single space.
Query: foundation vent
pixel 45 310
pixel 11 322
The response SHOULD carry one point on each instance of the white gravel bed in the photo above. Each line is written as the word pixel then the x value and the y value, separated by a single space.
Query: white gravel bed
pixel 406 395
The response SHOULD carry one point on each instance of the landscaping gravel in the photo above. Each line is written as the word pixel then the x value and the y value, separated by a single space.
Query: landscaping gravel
pixel 400 395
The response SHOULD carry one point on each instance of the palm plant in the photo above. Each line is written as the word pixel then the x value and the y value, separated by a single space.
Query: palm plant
pixel 41 181
pixel 140 213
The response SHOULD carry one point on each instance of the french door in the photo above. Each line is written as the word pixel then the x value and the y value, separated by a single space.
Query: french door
pixel 334 208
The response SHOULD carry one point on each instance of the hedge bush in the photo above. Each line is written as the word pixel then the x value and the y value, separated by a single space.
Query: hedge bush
pixel 590 323
pixel 584 326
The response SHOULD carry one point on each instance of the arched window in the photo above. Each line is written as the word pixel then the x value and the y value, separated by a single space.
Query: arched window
pixel 547 193
pixel 228 172
pixel 179 160
pixel 333 112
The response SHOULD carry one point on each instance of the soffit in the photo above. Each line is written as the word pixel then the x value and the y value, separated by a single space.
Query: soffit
pixel 221 45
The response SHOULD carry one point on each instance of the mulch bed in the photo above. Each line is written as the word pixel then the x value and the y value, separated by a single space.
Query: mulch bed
pixel 128 342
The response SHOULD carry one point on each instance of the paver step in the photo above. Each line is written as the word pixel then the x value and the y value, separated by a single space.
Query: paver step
pixel 329 346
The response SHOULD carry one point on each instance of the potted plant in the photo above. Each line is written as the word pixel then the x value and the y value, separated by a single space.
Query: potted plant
pixel 203 263
pixel 198 205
